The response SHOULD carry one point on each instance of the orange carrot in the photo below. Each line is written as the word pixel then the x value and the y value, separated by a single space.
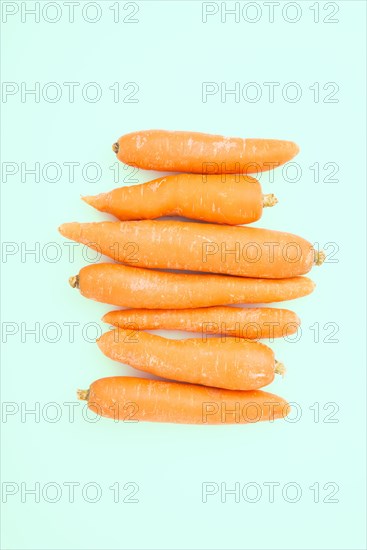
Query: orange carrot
pixel 238 201
pixel 202 153
pixel 248 323
pixel 242 251
pixel 139 400
pixel 120 285
pixel 233 364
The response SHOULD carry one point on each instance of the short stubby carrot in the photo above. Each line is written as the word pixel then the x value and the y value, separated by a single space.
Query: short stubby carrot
pixel 236 201
pixel 202 153
pixel 134 287
pixel 132 399
pixel 239 322
pixel 211 248
pixel 233 364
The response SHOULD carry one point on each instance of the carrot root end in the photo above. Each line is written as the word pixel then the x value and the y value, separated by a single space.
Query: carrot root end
pixel 88 199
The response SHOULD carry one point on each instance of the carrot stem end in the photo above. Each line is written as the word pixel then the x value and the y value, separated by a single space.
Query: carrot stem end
pixel 320 257
pixel 279 368
pixel 269 200
pixel 74 281
pixel 83 395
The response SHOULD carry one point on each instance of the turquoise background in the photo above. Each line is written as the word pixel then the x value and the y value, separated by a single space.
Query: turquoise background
pixel 169 52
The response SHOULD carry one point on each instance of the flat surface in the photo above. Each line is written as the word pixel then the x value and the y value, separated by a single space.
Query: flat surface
pixel 162 62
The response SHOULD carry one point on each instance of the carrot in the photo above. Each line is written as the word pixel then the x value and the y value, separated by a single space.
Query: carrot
pixel 242 251
pixel 120 285
pixel 239 201
pixel 202 153
pixel 233 364
pixel 249 323
pixel 139 400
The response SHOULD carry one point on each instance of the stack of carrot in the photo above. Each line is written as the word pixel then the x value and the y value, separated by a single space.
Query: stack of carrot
pixel 215 378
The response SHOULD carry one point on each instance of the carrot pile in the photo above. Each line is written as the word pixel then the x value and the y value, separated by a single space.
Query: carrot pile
pixel 214 378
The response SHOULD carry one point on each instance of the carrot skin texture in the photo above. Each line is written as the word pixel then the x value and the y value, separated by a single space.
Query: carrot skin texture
pixel 237 200
pixel 232 363
pixel 248 323
pixel 210 248
pixel 200 153
pixel 134 287
pixel 137 399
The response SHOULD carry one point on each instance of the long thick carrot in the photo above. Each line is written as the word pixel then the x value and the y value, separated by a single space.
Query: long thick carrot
pixel 241 251
pixel 139 400
pixel 238 201
pixel 248 323
pixel 233 364
pixel 202 153
pixel 120 285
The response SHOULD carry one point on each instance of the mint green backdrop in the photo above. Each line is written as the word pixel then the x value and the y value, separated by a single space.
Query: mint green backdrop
pixel 151 73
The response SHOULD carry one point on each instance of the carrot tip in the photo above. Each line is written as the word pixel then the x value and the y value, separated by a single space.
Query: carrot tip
pixel 74 281
pixel 286 410
pixel 269 200
pixel 83 395
pixel 104 319
pixel 279 368
pixel 319 257
pixel 115 147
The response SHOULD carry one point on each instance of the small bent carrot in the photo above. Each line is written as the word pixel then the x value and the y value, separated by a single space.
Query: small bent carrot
pixel 124 286
pixel 233 364
pixel 241 251
pixel 236 202
pixel 202 153
pixel 132 399
pixel 248 323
